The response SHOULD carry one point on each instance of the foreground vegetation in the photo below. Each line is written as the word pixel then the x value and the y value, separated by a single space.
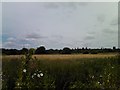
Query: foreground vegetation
pixel 71 73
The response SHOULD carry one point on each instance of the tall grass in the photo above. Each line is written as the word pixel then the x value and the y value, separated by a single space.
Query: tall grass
pixel 72 73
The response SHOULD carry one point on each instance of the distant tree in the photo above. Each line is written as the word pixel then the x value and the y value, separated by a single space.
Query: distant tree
pixel 50 51
pixel 85 52
pixel 93 52
pixel 3 51
pixel 114 47
pixel 66 50
pixel 13 52
pixel 86 48
pixel 82 48
pixel 40 50
pixel 24 51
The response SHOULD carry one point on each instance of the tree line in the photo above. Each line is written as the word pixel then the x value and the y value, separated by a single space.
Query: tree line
pixel 65 50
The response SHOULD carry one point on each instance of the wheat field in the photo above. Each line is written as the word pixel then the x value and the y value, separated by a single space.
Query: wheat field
pixel 77 70
pixel 62 57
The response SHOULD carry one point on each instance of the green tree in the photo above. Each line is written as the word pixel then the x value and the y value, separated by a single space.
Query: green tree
pixel 66 50
pixel 24 51
pixel 40 50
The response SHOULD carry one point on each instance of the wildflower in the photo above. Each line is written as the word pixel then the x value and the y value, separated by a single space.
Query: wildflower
pixel 0 73
pixel 18 84
pixel 92 76
pixel 40 71
pixel 1 76
pixel 100 76
pixel 32 76
pixel 112 67
pixel 34 73
pixel 98 82
pixel 108 81
pixel 109 74
pixel 38 75
pixel 24 70
pixel 41 74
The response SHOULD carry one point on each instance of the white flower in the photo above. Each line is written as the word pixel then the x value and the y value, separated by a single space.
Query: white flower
pixel 41 74
pixel 34 73
pixel 38 75
pixel 92 76
pixel 40 71
pixel 18 84
pixel 32 76
pixel 98 82
pixel 0 73
pixel 100 76
pixel 24 70
pixel 112 67
pixel 107 80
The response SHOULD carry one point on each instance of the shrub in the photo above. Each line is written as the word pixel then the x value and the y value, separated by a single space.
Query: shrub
pixel 40 50
pixel 86 52
pixel 93 52
pixel 66 50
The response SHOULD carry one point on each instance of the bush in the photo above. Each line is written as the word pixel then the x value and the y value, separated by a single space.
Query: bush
pixel 66 50
pixel 40 50
pixel 86 52
pixel 94 52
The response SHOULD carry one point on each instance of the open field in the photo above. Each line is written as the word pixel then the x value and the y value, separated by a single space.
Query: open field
pixel 61 72
pixel 64 57
pixel 73 56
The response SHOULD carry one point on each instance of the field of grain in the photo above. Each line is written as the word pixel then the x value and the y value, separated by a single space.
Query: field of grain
pixel 73 56
pixel 61 72
pixel 63 57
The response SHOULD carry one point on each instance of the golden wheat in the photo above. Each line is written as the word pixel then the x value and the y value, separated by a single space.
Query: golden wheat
pixel 62 57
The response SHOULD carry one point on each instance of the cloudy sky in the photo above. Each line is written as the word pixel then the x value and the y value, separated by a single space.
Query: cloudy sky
pixel 60 24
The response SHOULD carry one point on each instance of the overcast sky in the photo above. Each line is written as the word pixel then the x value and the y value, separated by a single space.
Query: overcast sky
pixel 60 24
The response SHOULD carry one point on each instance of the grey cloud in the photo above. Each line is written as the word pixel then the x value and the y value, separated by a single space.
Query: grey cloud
pixel 87 44
pixel 9 44
pixel 74 5
pixel 27 45
pixel 109 31
pixel 83 3
pixel 89 37
pixel 34 36
pixel 23 41
pixel 15 42
pixel 114 22
pixel 11 39
pixel 91 33
pixel 51 5
pixel 65 19
pixel 57 36
pixel 101 18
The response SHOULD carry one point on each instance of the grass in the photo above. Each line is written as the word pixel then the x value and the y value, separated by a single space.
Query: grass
pixel 62 72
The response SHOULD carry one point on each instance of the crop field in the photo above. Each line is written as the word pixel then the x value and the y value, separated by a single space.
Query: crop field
pixel 61 72
pixel 63 57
